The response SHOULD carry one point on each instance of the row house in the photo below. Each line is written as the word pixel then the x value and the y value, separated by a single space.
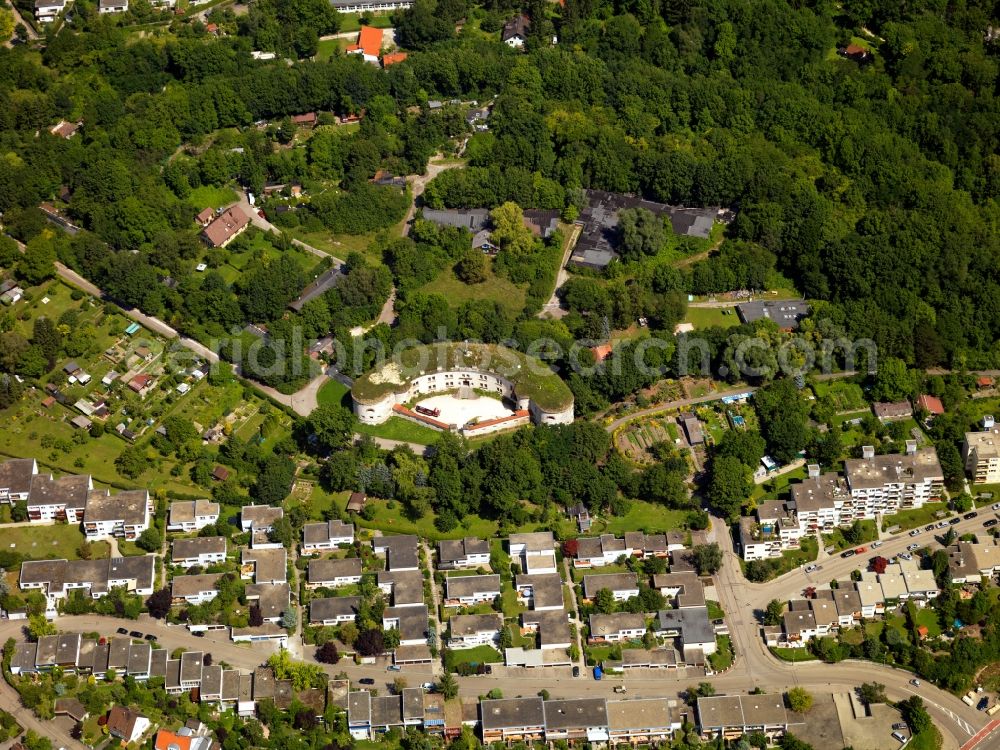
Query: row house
pixel 195 589
pixel 320 537
pixel 400 551
pixel 125 515
pixel 463 554
pixel 405 587
pixel 623 586
pixel 466 591
pixel 684 589
pixel 411 622
pixel 189 516
pixel 543 591
pixel 334 610
pixel 732 716
pixel 595 552
pixel 692 629
pixel 334 573
pixel 201 550
pixel 550 626
pixel 56 578
pixel 535 551
pixel 617 627
pixel 469 631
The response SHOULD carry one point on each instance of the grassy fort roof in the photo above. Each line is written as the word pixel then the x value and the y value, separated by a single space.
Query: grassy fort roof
pixel 470 371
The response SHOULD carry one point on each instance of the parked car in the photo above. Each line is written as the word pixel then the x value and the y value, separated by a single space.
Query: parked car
pixel 394 668
pixel 912 547
pixel 135 634
pixel 954 521
pixel 122 631
pixel 150 637
pixel 942 524
pixel 621 689
pixel 990 523
pixel 860 550
pixel 199 634
pixel 971 514
pixel 905 556
pixel 914 532
pixel 983 704
pixel 929 527
pixel 876 545
pixel 576 671
pixel 366 681
pixel 995 506
pixel 429 686
pixel 810 568
pixel 900 725
pixel 898 737
pixel 598 673
pixel 848 553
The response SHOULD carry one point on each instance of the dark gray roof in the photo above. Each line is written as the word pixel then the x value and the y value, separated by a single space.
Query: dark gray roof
pixel 472 219
pixel 512 712
pixel 576 713
pixel 785 313
pixel 327 609
pixel 691 621
pixel 322 283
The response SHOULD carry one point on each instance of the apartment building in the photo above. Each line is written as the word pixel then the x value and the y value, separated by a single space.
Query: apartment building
pixel 981 452
pixel 774 530
pixel 63 499
pixel 15 479
pixel 885 484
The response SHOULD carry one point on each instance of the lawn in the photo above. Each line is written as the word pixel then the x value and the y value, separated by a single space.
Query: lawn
pixel 908 519
pixel 333 392
pixel 352 21
pixel 397 428
pixel 928 740
pixel 340 245
pixel 209 196
pixel 869 533
pixel 706 317
pixel 649 517
pixel 777 487
pixel 928 618
pixel 793 654
pixel 495 289
pixel 715 612
pixel 326 48
pixel 61 540
pixel 722 659
pixel 477 655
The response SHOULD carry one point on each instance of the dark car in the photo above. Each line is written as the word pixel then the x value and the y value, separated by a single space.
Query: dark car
pixel 576 671
pixel 150 637
pixel 983 704
pixel 988 524
pixel 848 553
pixel 967 516
pixel 199 634
pixel 900 725
pixel 366 681
pixel 954 521
pixel 929 527
pixel 122 631
pixel 135 634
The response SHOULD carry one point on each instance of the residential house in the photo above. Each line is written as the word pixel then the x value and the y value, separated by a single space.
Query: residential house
pixel 543 591
pixel 550 626
pixel 124 515
pixel 225 227
pixel 777 527
pixel 259 517
pixel 112 6
pixel 576 720
pixel 317 537
pixel 142 384
pixel 411 622
pixel 126 725
pixel 368 45
pixel 515 31
pixel 641 721
pixel 46 11
pixel 930 404
pixel 618 627
pixel 969 562
pixel 469 631
pixel 888 411
pixel 333 610
pixel 732 716
pixel 466 591
pixel 691 627
pixel 202 550
pixel 192 515
pixel 195 589
pixel 622 586
pixel 461 554
pixel 400 551
pixel 406 587
pixel 512 720
pixel 334 573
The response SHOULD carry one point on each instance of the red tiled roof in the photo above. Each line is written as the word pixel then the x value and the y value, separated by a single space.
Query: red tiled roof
pixel 369 41
pixel 984 381
pixel 601 352
pixel 139 382
pixel 205 216
pixel 855 49
pixel 930 404
pixel 229 224
pixel 392 58
pixel 169 741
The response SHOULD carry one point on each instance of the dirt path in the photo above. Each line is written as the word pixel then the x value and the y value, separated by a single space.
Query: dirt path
pixel 553 308
pixel 303 401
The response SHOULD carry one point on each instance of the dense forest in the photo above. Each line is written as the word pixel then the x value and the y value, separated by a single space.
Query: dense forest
pixel 870 184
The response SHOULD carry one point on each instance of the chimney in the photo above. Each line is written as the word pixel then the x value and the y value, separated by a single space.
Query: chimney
pixel 813 470
pixel 867 451
pixel 911 447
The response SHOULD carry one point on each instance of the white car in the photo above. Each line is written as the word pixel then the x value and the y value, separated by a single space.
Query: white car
pixel 995 506
pixel 915 683
pixel 810 568
pixel 877 544
pixel 906 556
pixel 942 524
pixel 912 547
